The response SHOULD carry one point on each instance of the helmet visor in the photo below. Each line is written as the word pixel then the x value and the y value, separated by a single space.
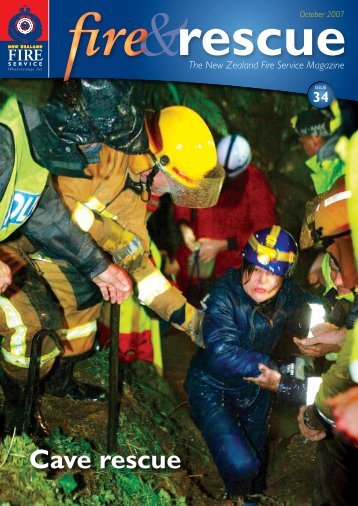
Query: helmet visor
pixel 202 192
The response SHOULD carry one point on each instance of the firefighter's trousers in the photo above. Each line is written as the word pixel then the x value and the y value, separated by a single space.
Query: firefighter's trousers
pixel 44 293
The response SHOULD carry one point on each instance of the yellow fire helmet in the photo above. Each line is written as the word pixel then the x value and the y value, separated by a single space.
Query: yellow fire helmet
pixel 326 216
pixel 327 226
pixel 183 148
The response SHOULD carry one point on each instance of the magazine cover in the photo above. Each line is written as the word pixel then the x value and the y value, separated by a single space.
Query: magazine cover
pixel 178 255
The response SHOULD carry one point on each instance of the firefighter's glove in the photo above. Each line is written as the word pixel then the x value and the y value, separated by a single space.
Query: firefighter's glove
pixel 190 320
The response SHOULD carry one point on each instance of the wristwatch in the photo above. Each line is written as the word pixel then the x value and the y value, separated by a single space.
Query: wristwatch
pixel 308 420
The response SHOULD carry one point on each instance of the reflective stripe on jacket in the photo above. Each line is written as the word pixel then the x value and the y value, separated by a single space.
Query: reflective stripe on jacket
pixel 28 178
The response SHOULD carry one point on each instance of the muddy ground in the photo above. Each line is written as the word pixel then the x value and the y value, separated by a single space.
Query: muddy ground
pixel 154 420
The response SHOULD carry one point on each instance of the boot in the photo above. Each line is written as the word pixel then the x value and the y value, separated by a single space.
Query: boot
pixel 60 382
pixel 12 417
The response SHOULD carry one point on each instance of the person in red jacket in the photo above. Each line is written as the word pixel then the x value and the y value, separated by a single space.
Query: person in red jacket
pixel 246 204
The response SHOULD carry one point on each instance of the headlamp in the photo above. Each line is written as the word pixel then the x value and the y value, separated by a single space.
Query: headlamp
pixel 263 259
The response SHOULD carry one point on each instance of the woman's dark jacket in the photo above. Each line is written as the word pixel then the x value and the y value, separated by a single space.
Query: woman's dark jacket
pixel 238 334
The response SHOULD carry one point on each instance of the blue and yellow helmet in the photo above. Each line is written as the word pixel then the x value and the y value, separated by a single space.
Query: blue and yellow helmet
pixel 272 249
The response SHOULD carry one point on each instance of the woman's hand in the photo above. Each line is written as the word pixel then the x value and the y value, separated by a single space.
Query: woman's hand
pixel 268 379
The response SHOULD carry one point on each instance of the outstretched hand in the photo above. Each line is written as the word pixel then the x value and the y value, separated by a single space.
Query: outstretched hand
pixel 327 338
pixel 268 379
pixel 114 283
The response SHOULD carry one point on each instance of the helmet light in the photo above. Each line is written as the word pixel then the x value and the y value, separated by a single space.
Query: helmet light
pixel 263 259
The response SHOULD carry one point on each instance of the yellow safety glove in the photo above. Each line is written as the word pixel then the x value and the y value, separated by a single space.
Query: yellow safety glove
pixel 192 324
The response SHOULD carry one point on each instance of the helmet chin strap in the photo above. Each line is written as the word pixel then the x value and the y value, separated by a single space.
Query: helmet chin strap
pixel 327 240
pixel 147 192
pixel 144 189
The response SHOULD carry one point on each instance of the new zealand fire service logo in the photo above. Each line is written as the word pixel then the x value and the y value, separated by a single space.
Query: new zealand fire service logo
pixel 25 27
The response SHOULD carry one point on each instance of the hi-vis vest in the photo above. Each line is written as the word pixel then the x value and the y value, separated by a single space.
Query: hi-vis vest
pixel 28 178
pixel 325 173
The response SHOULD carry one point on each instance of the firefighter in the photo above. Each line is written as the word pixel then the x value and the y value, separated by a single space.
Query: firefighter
pixel 319 132
pixel 29 204
pixel 337 458
pixel 111 203
pixel 75 116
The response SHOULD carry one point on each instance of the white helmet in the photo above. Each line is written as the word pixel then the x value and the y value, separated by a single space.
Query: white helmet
pixel 234 154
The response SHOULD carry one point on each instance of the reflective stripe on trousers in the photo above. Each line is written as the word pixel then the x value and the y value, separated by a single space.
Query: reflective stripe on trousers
pixel 18 342
pixel 78 332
